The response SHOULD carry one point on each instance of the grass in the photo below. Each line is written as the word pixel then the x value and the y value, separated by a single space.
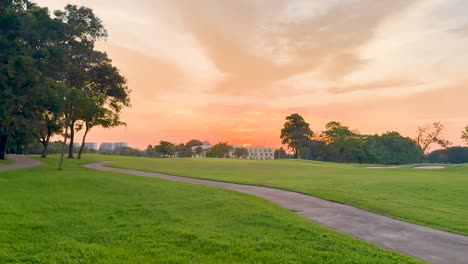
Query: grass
pixel 86 216
pixel 6 162
pixel 436 198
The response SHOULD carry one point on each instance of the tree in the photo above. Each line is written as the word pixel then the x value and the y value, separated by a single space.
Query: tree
pixel 241 153
pixel 198 150
pixel 184 151
pixel 428 135
pixel 295 133
pixel 28 52
pixel 193 143
pixel 281 154
pixel 464 135
pixel 340 139
pixel 220 150
pixel 165 148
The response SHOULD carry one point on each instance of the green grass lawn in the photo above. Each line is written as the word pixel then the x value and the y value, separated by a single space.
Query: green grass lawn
pixel 86 216
pixel 436 198
pixel 6 162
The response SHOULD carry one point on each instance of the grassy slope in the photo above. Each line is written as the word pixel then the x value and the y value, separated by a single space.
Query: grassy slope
pixel 436 198
pixel 85 216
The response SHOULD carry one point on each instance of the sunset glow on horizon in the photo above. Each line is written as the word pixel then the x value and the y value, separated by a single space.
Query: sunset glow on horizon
pixel 233 70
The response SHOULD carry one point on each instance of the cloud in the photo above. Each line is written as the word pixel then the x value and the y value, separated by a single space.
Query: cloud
pixel 244 40
pixel 381 84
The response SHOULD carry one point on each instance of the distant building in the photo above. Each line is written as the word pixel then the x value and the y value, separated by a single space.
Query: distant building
pixel 120 145
pixel 259 153
pixel 91 145
pixel 107 146
pixel 204 148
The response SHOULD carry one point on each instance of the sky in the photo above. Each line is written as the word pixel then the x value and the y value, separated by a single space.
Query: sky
pixel 233 70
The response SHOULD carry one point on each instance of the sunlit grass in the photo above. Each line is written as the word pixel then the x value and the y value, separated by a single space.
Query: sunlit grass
pixel 436 198
pixel 85 216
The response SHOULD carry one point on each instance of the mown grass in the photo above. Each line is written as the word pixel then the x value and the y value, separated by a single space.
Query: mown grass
pixel 436 198
pixel 6 162
pixel 86 216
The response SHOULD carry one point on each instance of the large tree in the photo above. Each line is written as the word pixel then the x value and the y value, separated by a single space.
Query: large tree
pixel 464 135
pixel 340 139
pixel 241 153
pixel 219 150
pixel 165 148
pixel 295 133
pixel 430 134
pixel 28 37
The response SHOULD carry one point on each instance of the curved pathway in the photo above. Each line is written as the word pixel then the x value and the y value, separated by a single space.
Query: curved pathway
pixel 425 243
pixel 21 161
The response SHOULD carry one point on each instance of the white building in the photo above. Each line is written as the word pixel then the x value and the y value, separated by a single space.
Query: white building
pixel 204 148
pixel 106 146
pixel 262 153
pixel 91 145
pixel 120 145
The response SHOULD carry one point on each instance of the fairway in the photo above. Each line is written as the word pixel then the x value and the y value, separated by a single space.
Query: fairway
pixel 436 198
pixel 84 216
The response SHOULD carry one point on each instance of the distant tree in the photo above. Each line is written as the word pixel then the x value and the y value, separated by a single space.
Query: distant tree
pixel 339 139
pixel 464 135
pixel 428 135
pixel 220 150
pixel 198 150
pixel 165 148
pixel 184 151
pixel 280 154
pixel 241 153
pixel 149 151
pixel 295 133
pixel 454 155
pixel 193 143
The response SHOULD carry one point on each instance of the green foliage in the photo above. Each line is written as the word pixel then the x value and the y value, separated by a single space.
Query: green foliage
pixel 220 150
pixel 464 135
pixel 241 153
pixel 193 143
pixel 453 155
pixel 184 151
pixel 91 216
pixel 52 77
pixel 295 133
pixel 391 148
pixel 420 196
pixel 165 149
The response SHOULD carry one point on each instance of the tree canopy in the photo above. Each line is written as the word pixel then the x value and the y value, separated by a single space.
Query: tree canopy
pixel 295 133
pixel 51 77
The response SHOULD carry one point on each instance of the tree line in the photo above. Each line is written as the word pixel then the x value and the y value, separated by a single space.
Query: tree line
pixel 52 79
pixel 339 143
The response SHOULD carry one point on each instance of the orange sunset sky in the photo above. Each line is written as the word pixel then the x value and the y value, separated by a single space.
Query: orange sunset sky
pixel 232 70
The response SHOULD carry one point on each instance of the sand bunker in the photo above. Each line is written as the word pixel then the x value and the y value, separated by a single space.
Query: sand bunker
pixel 381 167
pixel 429 167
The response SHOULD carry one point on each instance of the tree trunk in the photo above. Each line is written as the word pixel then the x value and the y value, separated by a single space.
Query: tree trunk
pixel 295 154
pixel 83 142
pixel 45 145
pixel 64 145
pixel 72 138
pixel 3 144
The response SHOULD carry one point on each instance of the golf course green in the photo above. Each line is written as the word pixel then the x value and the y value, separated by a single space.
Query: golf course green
pixel 84 216
pixel 435 198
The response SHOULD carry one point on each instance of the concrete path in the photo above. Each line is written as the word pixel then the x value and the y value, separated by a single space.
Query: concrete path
pixel 21 161
pixel 421 242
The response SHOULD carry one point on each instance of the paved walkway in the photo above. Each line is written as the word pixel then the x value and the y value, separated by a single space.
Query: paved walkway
pixel 421 242
pixel 21 161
